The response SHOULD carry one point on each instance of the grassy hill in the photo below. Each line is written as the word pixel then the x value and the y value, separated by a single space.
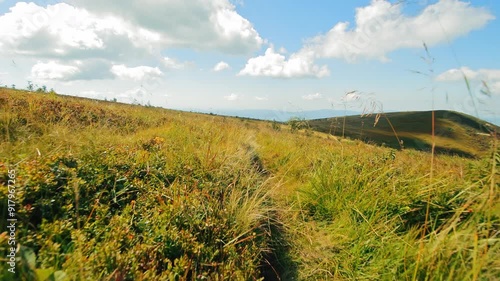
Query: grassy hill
pixel 109 191
pixel 455 133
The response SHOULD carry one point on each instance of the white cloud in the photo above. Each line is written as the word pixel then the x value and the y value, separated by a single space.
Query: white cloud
pixel 66 32
pixel 136 73
pixel 490 74
pixel 274 64
pixel 96 94
pixel 90 94
pixel 91 69
pixel 232 97
pixel 123 33
pixel 53 71
pixel 315 96
pixel 381 28
pixel 134 95
pixel 262 98
pixel 494 87
pixel 171 63
pixel 198 24
pixel 221 66
pixel 491 77
pixel 457 74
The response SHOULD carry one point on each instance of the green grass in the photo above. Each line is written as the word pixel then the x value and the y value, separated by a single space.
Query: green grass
pixel 109 191
pixel 456 133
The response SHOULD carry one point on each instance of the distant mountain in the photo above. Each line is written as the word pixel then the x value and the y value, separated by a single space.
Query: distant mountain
pixel 455 133
pixel 279 115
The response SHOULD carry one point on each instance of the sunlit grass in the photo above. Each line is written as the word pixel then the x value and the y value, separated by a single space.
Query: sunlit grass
pixel 120 192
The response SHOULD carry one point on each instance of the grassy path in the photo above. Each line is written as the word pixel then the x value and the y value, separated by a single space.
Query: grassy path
pixel 117 192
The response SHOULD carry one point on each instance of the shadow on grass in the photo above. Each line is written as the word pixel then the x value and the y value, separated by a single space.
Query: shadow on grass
pixel 277 264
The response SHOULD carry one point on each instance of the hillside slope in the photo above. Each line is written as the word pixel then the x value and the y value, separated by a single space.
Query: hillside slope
pixel 109 191
pixel 455 133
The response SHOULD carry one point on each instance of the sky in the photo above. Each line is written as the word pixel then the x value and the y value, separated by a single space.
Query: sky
pixel 254 54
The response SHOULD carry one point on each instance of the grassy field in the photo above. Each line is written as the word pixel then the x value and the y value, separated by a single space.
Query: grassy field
pixel 108 191
pixel 456 133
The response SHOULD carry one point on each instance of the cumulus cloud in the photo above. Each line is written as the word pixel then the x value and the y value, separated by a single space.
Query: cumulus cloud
pixel 102 34
pixel 53 71
pixel 490 74
pixel 261 98
pixel 136 73
pixel 90 94
pixel 221 66
pixel 134 95
pixel 171 63
pixel 490 77
pixel 198 24
pixel 315 96
pixel 96 94
pixel 381 28
pixel 92 69
pixel 66 32
pixel 232 97
pixel 273 64
pixel 456 74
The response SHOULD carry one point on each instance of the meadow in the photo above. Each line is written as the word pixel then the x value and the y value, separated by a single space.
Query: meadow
pixel 110 191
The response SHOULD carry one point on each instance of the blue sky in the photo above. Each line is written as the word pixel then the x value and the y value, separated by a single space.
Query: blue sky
pixel 279 55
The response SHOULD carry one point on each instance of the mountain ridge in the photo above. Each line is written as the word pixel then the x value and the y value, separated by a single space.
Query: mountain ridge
pixel 454 132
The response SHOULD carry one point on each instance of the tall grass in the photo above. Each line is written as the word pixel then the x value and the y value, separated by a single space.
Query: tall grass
pixel 132 193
